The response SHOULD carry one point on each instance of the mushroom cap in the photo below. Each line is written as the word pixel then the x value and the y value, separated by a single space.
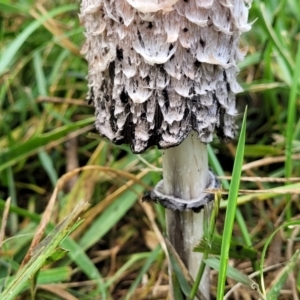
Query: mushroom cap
pixel 159 69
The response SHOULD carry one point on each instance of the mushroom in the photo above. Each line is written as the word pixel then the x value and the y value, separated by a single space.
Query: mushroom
pixel 163 73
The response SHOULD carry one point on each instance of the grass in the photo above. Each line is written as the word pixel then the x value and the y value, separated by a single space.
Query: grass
pixel 51 159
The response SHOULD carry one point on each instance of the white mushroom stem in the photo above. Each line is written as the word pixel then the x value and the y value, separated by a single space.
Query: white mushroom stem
pixel 185 173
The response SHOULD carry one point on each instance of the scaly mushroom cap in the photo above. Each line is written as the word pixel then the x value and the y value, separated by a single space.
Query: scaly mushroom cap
pixel 159 69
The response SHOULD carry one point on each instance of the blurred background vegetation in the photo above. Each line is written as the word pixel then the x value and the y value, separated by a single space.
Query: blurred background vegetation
pixel 46 131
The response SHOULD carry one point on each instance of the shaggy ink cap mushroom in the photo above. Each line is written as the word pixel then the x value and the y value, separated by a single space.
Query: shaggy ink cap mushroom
pixel 160 69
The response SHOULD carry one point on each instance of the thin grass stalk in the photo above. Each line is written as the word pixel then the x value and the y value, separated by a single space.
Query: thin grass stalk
pixel 291 117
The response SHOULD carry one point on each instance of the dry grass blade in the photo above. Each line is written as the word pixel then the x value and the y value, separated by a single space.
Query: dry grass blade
pixel 4 221
pixel 59 100
pixel 99 207
pixel 58 291
pixel 72 160
pixel 263 179
pixel 289 254
pixel 151 216
pixel 279 191
pixel 52 27
pixel 267 161
pixel 72 135
pixel 41 227
pixel 121 173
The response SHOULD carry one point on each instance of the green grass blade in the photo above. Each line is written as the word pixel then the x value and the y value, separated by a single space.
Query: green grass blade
pixel 41 253
pixel 112 215
pixel 129 262
pixel 282 49
pixel 80 258
pixel 231 209
pixel 39 74
pixel 266 245
pixel 214 162
pixel 295 7
pixel 231 272
pixel 9 53
pixel 49 276
pixel 58 274
pixel 177 288
pixel 13 219
pixel 236 249
pixel 291 124
pixel 21 211
pixel 21 150
pixel 6 7
pixel 56 69
pixel 150 260
pixel 275 290
pixel 47 163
